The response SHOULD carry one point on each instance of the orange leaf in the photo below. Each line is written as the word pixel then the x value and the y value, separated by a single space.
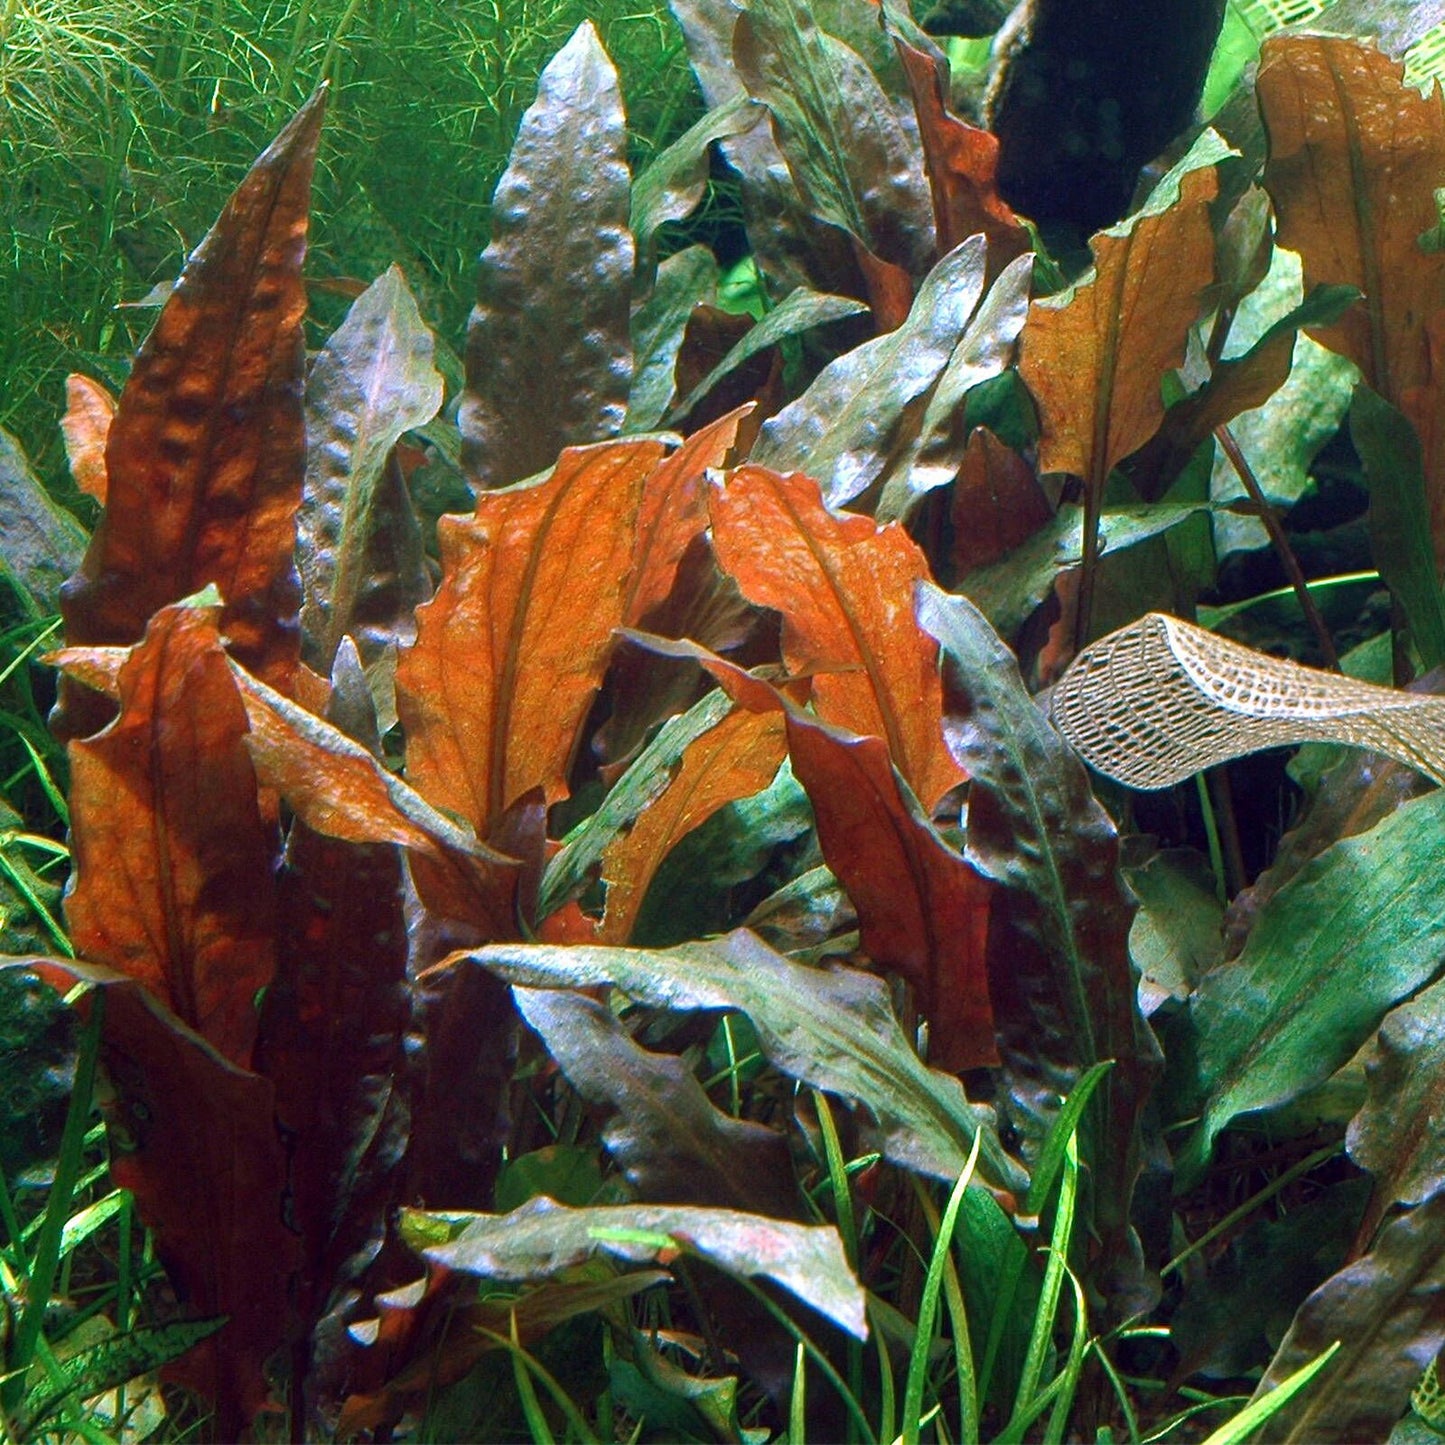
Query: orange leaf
pixel 1094 361
pixel 513 646
pixel 174 880
pixel 1355 157
pixel 89 411
pixel 206 453
pixel 845 589
pixel 735 759
pixel 922 909
pixel 674 511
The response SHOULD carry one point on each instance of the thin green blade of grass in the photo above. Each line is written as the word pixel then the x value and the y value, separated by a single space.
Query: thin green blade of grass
pixel 1244 1424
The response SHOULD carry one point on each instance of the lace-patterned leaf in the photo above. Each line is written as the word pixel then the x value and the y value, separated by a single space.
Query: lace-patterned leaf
pixel 1160 700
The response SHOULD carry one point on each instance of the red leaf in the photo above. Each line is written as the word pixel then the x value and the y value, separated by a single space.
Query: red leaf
pixel 206 453
pixel 845 589
pixel 513 646
pixel 997 503
pixel 174 882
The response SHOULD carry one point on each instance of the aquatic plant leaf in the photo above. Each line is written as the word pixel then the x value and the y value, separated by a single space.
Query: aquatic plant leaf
pixel 1093 359
pixel 997 503
pixel 674 512
pixel 554 290
pixel 1389 452
pixel 672 1143
pixel 962 165
pixel 43 542
pixel 922 910
pixel 89 411
pixel 543 1237
pixel 683 281
pixel 193 1138
pixel 1160 700
pixel 672 184
pixel 496 686
pixel 1387 1310
pixel 733 760
pixel 799 311
pixel 852 163
pixel 339 789
pixel 845 429
pixel 359 544
pixel 205 455
pixel 1399 1134
pixel 1355 155
pixel 833 1028
pixel 174 882
pixel 1061 979
pixel 837 580
pixel 1359 928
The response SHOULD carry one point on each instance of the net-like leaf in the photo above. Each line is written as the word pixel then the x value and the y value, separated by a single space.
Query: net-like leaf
pixel 1161 699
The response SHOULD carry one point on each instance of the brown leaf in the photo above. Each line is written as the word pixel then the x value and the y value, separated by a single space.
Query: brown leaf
pixel 1355 157
pixel 206 453
pixel 174 882
pixel 962 163
pixel 922 910
pixel 194 1140
pixel 89 411
pixel 549 358
pixel 997 503
pixel 513 646
pixel 1094 361
pixel 845 588
pixel 710 334
pixel 735 759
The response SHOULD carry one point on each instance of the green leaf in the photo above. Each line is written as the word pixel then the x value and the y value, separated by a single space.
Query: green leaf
pixel 1360 927
pixel 359 545
pixel 799 311
pixel 565 1172
pixel 43 542
pixel 666 1135
pixel 658 327
pixel 549 359
pixel 833 1028
pixel 542 1237
pixel 673 182
pixel 1175 936
pixel 845 429
pixel 1400 517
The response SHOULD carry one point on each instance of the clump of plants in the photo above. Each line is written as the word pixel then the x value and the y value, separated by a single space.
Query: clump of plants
pixel 575 918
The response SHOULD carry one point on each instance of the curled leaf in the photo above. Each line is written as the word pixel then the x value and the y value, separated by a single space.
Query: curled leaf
pixel 1160 700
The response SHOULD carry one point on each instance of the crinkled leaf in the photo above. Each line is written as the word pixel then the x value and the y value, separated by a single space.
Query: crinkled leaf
pixel 1009 590
pixel 549 359
pixel 834 1028
pixel 513 646
pixel 736 758
pixel 1400 518
pixel 672 1143
pixel 1358 929
pixel 1094 358
pixel 840 582
pixel 194 1140
pixel 1387 1310
pixel 1062 981
pixel 922 911
pixel 542 1237
pixel 174 882
pixel 673 183
pixel 206 453
pixel 89 411
pixel 684 280
pixel 962 164
pixel 359 544
pixel 799 311
pixel 865 406
pixel 43 542
pixel 853 163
